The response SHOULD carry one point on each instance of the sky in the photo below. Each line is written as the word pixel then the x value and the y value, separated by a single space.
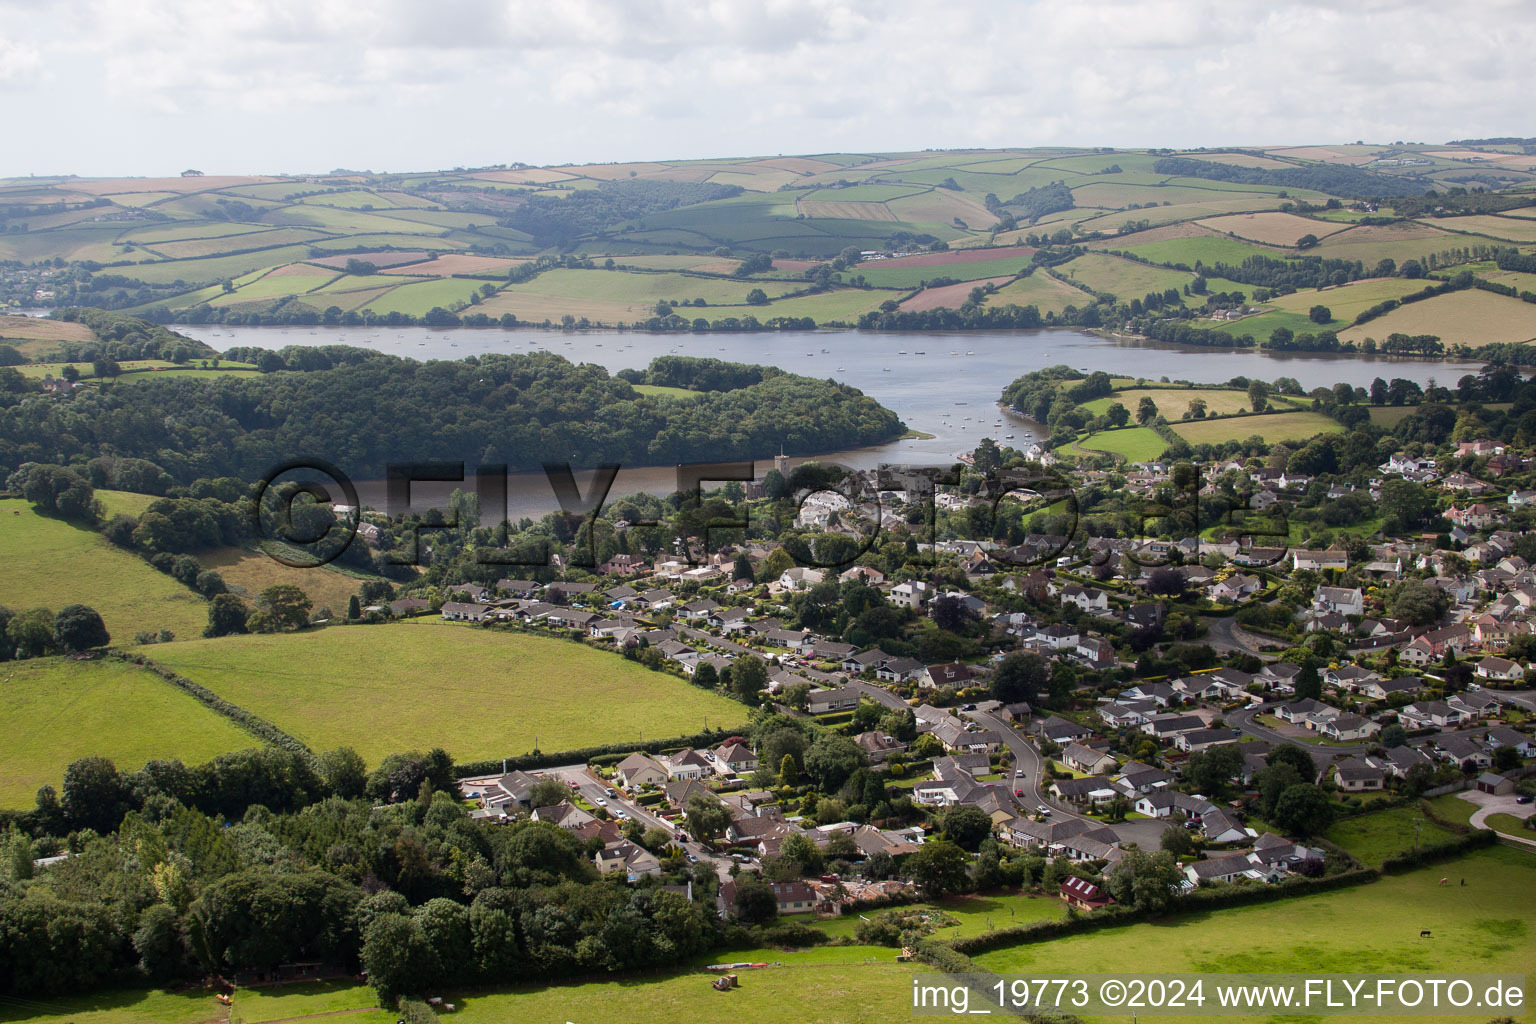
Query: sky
pixel 127 87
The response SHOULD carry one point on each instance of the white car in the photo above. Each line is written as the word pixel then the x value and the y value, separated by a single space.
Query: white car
pixel 601 802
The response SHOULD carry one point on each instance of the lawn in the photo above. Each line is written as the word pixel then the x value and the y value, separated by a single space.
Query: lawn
pixel 346 999
pixel 662 391
pixel 1272 427
pixel 1471 317
pixel 1374 837
pixel 56 710
pixel 977 914
pixel 131 1006
pixel 50 563
pixel 1509 825
pixel 1373 928
pixel 831 985
pixel 1138 444
pixel 475 692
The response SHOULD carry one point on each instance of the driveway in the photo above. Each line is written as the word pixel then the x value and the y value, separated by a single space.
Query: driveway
pixel 1488 804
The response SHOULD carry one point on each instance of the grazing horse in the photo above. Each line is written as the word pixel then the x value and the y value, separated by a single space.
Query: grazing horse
pixel 1445 881
pixel 1425 934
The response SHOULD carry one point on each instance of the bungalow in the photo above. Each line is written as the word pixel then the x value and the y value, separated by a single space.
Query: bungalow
pixel 1090 790
pixel 821 702
pixel 1166 804
pixel 1499 668
pixel 698 609
pixel 1347 728
pixel 460 611
pixel 1463 751
pixel 638 770
pixel 1084 895
pixel 687 764
pixel 1236 587
pixel 1166 726
pixel 1160 694
pixel 1297 711
pixel 1125 712
pixel 1503 736
pixel 1333 558
pixel 1221 827
pixel 953 674
pixel 1382 689
pixel 1200 739
pixel 1059 730
pixel 1087 759
pixel 901 670
pixel 878 746
pixel 1424 714
pixel 1353 775
pixel 738 757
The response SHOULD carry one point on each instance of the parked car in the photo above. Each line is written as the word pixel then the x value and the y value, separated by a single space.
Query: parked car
pixel 610 791
pixel 601 802
pixel 1043 809
pixel 1522 799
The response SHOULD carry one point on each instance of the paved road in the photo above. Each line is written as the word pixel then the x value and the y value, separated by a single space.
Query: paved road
pixel 595 792
pixel 1226 635
pixel 878 694
pixel 1519 698
pixel 1028 771
pixel 1323 755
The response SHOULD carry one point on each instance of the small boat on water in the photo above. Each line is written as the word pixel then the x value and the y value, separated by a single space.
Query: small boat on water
pixel 885 369
pixel 839 369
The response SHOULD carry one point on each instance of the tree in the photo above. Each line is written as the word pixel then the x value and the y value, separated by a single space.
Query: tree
pixel 399 958
pixel 30 633
pixel 79 628
pixel 757 297
pixel 1210 769
pixel 94 795
pixel 354 609
pixel 1299 760
pixel 161 944
pixel 938 868
pixel 707 817
pixel 789 773
pixel 1320 314
pixel 749 677
pixel 1303 810
pixel 1394 735
pixel 226 616
pixel 547 792
pixel 831 759
pixel 1177 841
pixel 1146 881
pixel 1146 410
pixel 284 608
pixel 344 772
pixel 1417 603
pixel 1273 780
pixel 1118 415
pixel 966 827
pixel 742 568
pixel 1166 580
pixel 1196 410
pixel 1019 676
pixel 1307 241
pixel 706 676
pixel 1309 685
pixel 755 901
pixel 1258 395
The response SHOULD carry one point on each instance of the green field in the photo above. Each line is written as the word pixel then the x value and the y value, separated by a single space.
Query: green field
pixel 56 710
pixel 1042 291
pixel 474 692
pixel 347 1000
pixel 129 1006
pixel 1272 427
pixel 662 391
pixel 893 274
pixel 1374 837
pixel 1137 444
pixel 977 914
pixel 50 563
pixel 1207 249
pixel 830 985
pixel 1171 402
pixel 1484 926
pixel 1126 279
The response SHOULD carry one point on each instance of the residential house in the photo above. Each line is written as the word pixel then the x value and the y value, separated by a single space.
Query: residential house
pixel 1352 775
pixel 1086 759
pixel 638 770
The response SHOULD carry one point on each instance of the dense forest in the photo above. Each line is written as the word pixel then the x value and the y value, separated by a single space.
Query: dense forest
pixel 520 410
pixel 1331 178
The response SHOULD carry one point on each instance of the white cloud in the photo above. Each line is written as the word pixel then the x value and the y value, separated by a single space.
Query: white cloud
pixel 251 85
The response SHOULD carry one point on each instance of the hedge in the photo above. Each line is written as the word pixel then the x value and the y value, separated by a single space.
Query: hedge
pixel 247 720
pixel 1434 852
pixel 1200 900
pixel 585 755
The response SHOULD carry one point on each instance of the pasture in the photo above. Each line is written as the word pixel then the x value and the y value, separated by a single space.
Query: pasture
pixel 129 594
pixel 1172 402
pixel 976 915
pixel 474 692
pixel 1374 837
pixel 1271 228
pixel 1374 928
pixel 57 710
pixel 1126 279
pixel 1472 317
pixel 247 573
pixel 1136 444
pixel 1042 291
pixel 1272 427
pixel 124 1006
pixel 1347 301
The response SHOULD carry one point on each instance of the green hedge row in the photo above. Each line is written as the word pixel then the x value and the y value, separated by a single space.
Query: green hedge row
pixel 587 755
pixel 247 720
pixel 1410 859
pixel 1211 898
